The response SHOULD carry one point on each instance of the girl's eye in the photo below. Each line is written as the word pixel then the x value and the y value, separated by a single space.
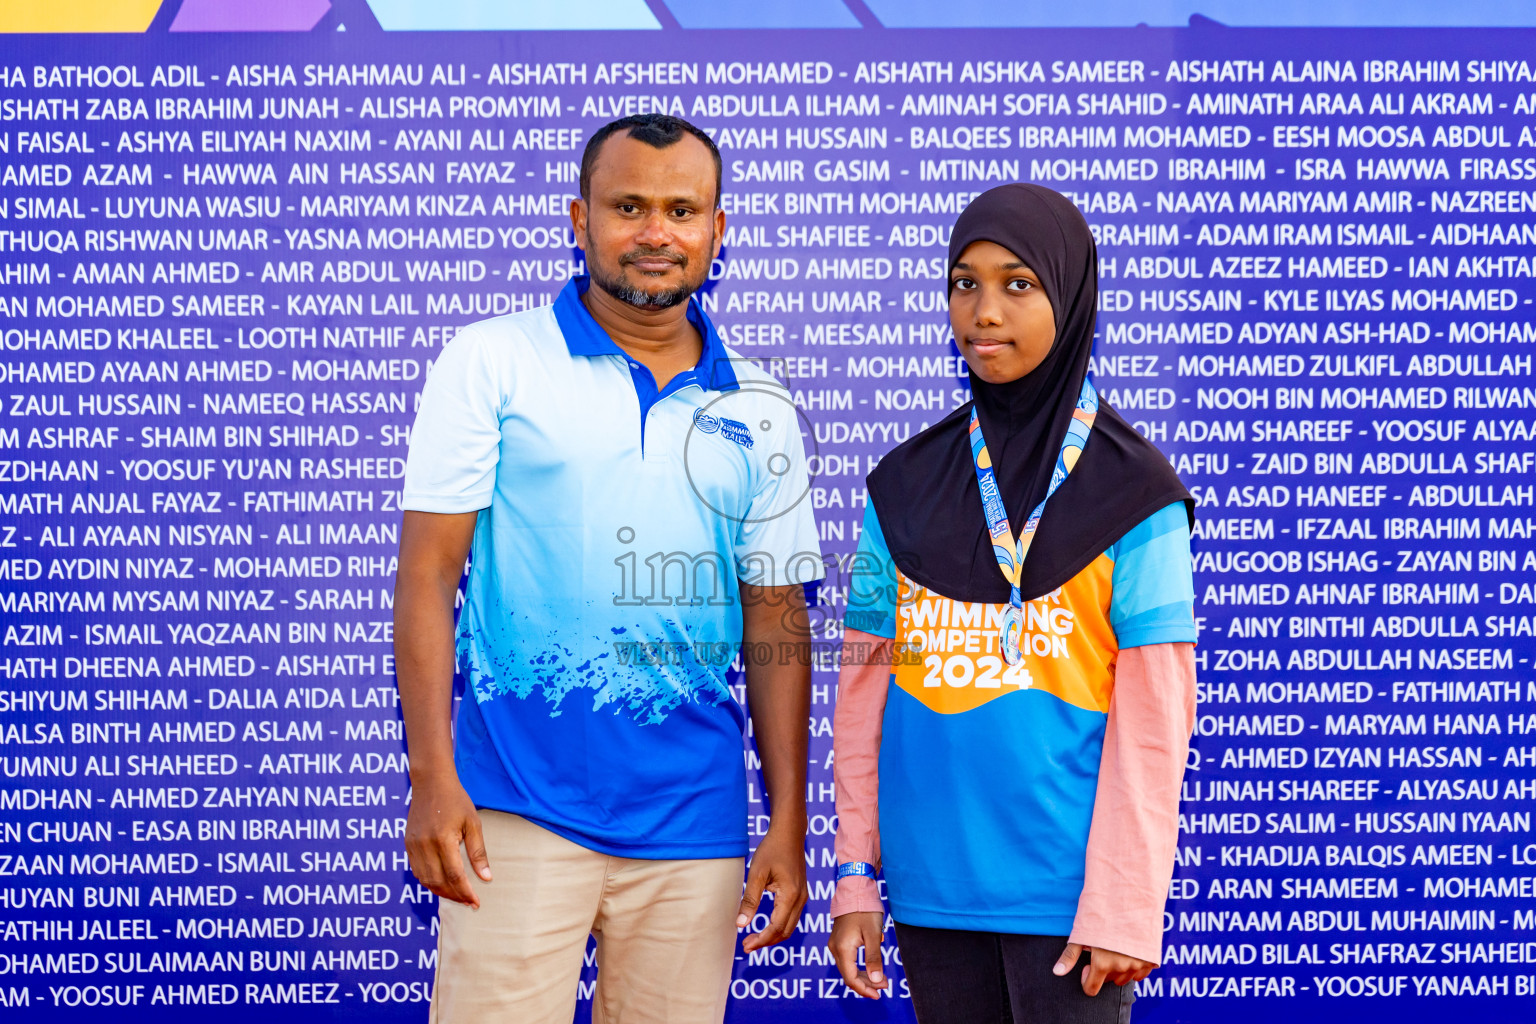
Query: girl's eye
pixel 964 284
pixel 1020 284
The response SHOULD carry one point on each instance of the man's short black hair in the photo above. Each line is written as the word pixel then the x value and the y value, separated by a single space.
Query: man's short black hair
pixel 657 130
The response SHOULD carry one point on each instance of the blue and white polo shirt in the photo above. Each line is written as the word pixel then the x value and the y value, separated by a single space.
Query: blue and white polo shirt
pixel 602 609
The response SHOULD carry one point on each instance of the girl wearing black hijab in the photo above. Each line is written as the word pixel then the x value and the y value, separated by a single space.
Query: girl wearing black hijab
pixel 1017 689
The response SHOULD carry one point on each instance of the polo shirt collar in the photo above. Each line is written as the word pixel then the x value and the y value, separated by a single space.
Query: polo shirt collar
pixel 585 337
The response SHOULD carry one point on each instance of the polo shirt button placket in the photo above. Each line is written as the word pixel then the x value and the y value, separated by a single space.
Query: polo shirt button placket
pixel 654 445
pixel 659 424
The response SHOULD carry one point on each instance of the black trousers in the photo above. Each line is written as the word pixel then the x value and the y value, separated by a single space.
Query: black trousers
pixel 961 977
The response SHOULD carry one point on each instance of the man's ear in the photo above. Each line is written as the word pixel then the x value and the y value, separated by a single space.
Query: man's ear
pixel 719 231
pixel 579 221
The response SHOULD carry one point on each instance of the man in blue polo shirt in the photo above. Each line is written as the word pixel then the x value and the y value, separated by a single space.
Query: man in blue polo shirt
pixel 635 495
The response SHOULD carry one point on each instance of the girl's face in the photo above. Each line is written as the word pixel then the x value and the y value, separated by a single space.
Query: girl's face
pixel 1003 322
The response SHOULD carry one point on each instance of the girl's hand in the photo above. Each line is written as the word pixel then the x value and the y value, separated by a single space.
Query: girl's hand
pixel 850 932
pixel 1103 965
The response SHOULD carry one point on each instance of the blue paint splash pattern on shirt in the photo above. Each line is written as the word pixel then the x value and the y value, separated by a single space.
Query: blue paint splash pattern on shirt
pixel 626 680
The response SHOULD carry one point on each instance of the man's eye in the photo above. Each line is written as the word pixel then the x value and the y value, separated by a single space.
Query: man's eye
pixel 627 208
pixel 681 212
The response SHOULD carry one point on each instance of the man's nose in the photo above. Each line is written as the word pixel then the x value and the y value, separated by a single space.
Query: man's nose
pixel 655 231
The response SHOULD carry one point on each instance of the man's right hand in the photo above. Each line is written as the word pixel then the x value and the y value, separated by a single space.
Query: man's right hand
pixel 850 933
pixel 433 549
pixel 441 819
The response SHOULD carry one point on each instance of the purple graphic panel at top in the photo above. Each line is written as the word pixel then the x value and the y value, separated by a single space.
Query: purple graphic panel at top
pixel 1359 14
pixel 751 14
pixel 244 16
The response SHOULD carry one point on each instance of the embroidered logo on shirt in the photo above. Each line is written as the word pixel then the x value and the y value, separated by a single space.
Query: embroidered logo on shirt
pixel 735 430
pixel 706 423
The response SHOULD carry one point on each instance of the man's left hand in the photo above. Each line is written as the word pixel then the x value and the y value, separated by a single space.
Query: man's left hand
pixel 1104 965
pixel 778 867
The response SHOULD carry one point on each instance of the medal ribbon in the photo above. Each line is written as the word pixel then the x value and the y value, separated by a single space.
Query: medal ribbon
pixel 1010 553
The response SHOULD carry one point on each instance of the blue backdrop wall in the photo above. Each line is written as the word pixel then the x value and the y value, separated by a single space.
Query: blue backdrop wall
pixel 232 241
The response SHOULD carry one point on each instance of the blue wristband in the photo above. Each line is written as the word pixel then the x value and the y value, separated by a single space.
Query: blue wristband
pixel 855 869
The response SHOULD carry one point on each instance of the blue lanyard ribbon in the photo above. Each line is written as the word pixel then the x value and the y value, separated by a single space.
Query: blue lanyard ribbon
pixel 1010 551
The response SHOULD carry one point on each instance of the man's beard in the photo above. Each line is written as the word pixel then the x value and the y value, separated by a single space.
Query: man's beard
pixel 636 296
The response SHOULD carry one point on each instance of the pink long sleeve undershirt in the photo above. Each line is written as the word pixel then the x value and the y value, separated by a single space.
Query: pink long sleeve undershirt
pixel 1134 832
pixel 862 684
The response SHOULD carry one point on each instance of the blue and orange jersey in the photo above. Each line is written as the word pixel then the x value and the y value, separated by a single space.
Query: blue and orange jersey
pixel 988 771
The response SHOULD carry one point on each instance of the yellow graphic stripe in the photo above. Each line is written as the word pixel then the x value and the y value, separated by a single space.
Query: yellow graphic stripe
pixel 77 15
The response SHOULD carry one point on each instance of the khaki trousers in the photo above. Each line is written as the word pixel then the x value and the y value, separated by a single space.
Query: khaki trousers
pixel 665 929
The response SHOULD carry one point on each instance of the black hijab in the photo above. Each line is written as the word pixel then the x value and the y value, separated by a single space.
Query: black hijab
pixel 925 491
